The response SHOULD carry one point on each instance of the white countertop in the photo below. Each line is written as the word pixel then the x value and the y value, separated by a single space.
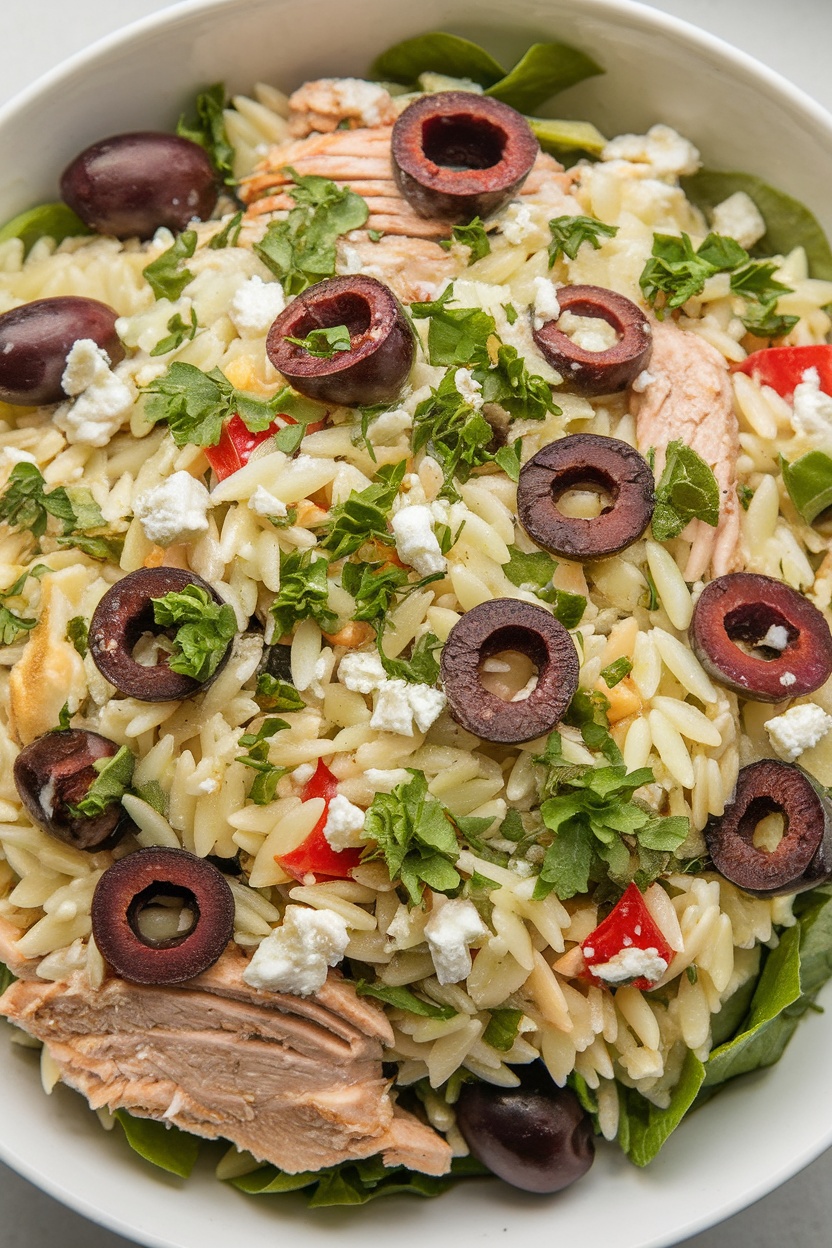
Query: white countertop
pixel 794 38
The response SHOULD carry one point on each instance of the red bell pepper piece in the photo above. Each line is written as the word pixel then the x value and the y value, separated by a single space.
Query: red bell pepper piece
pixel 237 443
pixel 782 368
pixel 629 925
pixel 315 856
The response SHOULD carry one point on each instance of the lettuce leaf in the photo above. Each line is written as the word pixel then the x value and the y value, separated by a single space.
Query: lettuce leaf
pixel 356 1182
pixel 163 1146
pixel 6 978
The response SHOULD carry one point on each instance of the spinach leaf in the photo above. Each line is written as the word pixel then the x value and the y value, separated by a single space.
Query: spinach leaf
pixel 809 482
pixel 439 53
pixel 556 136
pixel 208 130
pixel 788 222
pixel 644 1127
pixel 56 221
pixel 167 1147
pixel 404 999
pixel 545 70
pixel 356 1182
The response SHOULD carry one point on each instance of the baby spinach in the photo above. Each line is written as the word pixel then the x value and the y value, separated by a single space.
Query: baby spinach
pixel 56 221
pixel 356 1182
pixel 556 136
pixel 809 482
pixel 161 1144
pixel 208 130
pixel 545 70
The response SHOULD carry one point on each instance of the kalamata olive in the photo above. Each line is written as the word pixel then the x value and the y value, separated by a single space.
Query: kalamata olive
pixel 130 184
pixel 36 338
pixel 381 349
pixel 54 773
pixel 803 857
pixel 591 461
pixel 138 880
pixel 277 662
pixel 598 372
pixel 457 155
pixel 535 1136
pixel 125 614
pixel 487 630
pixel 760 637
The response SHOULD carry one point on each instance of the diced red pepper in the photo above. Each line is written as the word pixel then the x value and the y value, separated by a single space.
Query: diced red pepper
pixel 315 856
pixel 237 443
pixel 782 368
pixel 629 925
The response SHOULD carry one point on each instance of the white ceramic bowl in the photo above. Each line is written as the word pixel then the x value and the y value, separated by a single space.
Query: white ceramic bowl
pixel 757 1133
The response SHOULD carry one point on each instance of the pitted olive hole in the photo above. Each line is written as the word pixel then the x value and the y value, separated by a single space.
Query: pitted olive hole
pixel 348 309
pixel 760 631
pixel 509 675
pixel 461 143
pixel 763 824
pixel 584 493
pixel 590 333
pixel 163 915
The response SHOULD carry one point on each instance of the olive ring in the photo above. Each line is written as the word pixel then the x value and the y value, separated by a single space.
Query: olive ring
pixel 598 372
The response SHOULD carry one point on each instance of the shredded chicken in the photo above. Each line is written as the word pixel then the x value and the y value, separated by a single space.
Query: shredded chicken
pixel 326 104
pixel 689 400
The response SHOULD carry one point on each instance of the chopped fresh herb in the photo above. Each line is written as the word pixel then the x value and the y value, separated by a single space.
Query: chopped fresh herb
pixel 274 694
pixel 16 588
pixel 411 831
pixel 422 668
pixel 154 795
pixel 373 586
pixel 686 491
pixel 652 603
pixel 6 978
pixel 764 321
pixel 27 504
pixel 265 783
pixel 178 332
pixel 456 336
pixel 676 272
pixel 208 130
pixel 77 631
pixel 110 785
pixel 532 571
pixel 404 999
pixel 289 438
pixel 524 395
pixel 457 435
pixel 163 275
pixel 103 547
pixel 745 495
pixel 472 236
pixel 809 483
pixel 301 249
pixel 364 514
pixel 375 236
pixel 13 626
pixel 692 974
pixel 204 629
pixel 324 343
pixel 570 233
pixel 64 718
pixel 229 234
pixel 568 608
pixel 303 592
pixel 511 312
pixel 615 672
pixel 503 1029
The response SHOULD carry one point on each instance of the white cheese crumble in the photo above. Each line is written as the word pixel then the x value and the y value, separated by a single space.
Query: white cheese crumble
pixel 468 386
pixel 366 102
pixel 361 672
pixel 262 503
pixel 632 963
pixel 517 225
pixel 798 729
pixel 788 679
pixel 546 306
pixel 102 400
pixel 387 427
pixel 398 704
pixel 295 957
pixel 777 638
pixel 643 380
pixel 812 414
pixel 452 926
pixel 344 823
pixel 303 773
pixel 255 306
pixel 416 542
pixel 739 218
pixel 174 511
pixel 666 152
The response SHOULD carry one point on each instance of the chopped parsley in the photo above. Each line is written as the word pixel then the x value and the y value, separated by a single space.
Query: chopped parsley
pixel 764 321
pixel 404 999
pixel 229 234
pixel 164 276
pixel 204 629
pixel 457 435
pixel 208 130
pixel 178 332
pixel 534 572
pixel 109 786
pixel 422 668
pixel 303 593
pixel 265 783
pixel 508 458
pixel 324 343
pixel 27 504
pixel 274 694
pixel 77 632
pixel 809 483
pixel 472 236
pixel 745 495
pixel 614 673
pixel 413 834
pixel 503 1029
pixel 456 335
pixel 13 626
pixel 570 233
pixel 676 272
pixel 363 516
pixel 373 586
pixel 687 490
pixel 524 395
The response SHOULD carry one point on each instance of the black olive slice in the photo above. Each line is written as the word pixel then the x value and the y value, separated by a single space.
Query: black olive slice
pixel 457 155
pixel 802 859
pixel 598 372
pixel 760 637
pixel 535 1136
pixel 381 350
pixel 135 882
pixel 54 773
pixel 490 628
pixel 123 615
pixel 37 337
pixel 586 459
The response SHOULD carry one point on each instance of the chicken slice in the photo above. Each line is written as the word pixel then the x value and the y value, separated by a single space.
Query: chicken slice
pixel 690 400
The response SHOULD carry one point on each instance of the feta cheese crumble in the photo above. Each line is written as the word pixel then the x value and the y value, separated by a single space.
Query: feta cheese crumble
pixel 517 225
pixel 344 823
pixel 798 729
pixel 416 542
pixel 739 218
pixel 631 963
pixel 812 408
pixel 777 637
pixel 398 704
pixel 262 503
pixel 255 306
pixel 174 511
pixel 102 400
pixel 468 386
pixel 361 671
pixel 788 679
pixel 295 957
pixel 546 306
pixel 666 152
pixel 449 931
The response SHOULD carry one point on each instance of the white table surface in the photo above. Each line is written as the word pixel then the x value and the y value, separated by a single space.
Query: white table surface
pixel 793 37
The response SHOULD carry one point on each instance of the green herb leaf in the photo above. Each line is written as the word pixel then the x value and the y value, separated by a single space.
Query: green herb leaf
pixel 304 589
pixel 524 395
pixel 164 1146
pixel 556 137
pixel 568 608
pixel 646 1127
pixel 570 233
pixel 208 130
pixel 229 234
pixel 674 274
pixel 511 312
pixel 77 631
pixel 13 626
pixel 112 782
pixel 422 668
pixel 178 332
pixel 545 70
pixel 6 978
pixel 373 586
pixel 532 571
pixel 686 491
pixel 355 1183
pixel 64 718
pixel 154 795
pixel 277 695
pixel 508 458
pixel 809 483
pixel 264 785
pixel 456 336
pixel 163 275
pixel 27 504
pixel 503 1029
pixel 364 514
pixel 324 343
pixel 204 629
pixel 404 999
pixel 375 236
pixel 437 53
pixel 458 436
pixel 474 237
pixel 745 493
pixel 764 321
pixel 56 221
pixel 615 672
pixel 410 830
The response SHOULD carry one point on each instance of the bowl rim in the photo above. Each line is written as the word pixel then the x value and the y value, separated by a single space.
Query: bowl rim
pixel 640 16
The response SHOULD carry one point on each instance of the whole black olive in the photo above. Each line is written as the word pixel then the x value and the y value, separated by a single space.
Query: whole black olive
pixel 125 614
pixel 381 350
pixel 598 372
pixel 488 629
pixel 760 637
pixel 36 338
pixel 802 859
pixel 135 882
pixel 54 773
pixel 586 459
pixel 457 155
pixel 535 1136
pixel 130 184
